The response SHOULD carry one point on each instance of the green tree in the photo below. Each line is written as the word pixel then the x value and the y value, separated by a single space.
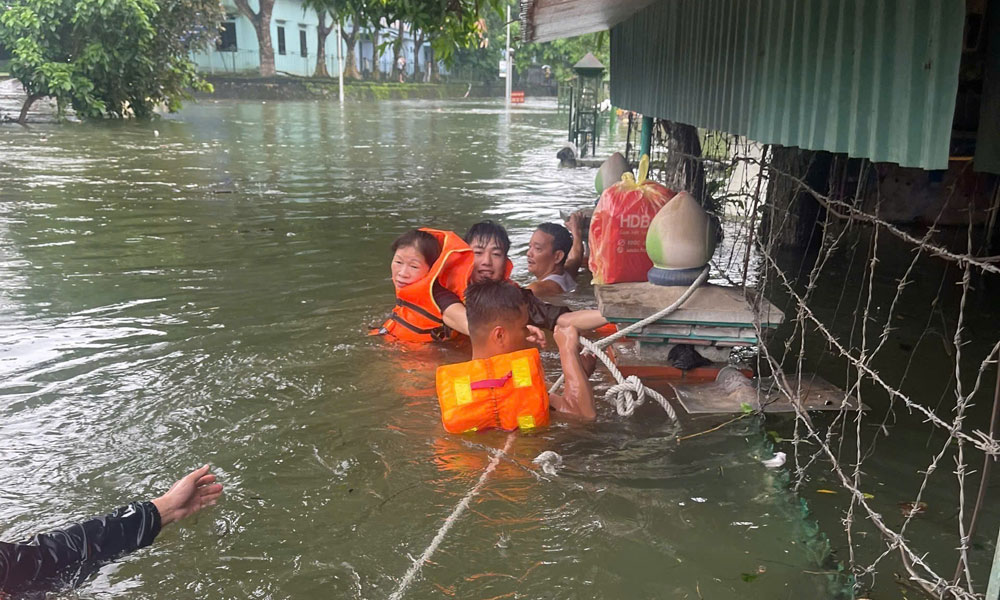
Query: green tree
pixel 480 63
pixel 340 11
pixel 115 58
pixel 562 54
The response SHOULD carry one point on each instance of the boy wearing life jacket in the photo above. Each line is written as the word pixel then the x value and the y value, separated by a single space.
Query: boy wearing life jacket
pixel 503 386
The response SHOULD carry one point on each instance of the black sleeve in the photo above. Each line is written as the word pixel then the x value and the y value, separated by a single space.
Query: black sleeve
pixel 444 297
pixel 542 314
pixel 63 554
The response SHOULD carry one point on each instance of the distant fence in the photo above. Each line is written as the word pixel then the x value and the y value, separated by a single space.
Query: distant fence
pixel 248 61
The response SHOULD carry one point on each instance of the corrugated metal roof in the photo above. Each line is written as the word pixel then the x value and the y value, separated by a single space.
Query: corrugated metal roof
pixel 870 78
pixel 546 20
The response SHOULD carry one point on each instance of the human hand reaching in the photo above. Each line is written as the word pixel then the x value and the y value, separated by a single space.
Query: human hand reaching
pixel 188 495
pixel 536 336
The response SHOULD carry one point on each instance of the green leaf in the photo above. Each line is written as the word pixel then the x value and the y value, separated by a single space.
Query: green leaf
pixel 745 408
pixel 749 577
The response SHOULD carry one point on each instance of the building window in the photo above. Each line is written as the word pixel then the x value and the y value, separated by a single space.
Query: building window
pixel 227 37
pixel 303 46
pixel 281 40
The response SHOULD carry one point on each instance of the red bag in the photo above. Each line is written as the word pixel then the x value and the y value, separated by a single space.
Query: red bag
pixel 618 227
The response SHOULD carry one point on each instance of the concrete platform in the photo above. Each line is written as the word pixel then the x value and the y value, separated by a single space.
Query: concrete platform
pixel 712 315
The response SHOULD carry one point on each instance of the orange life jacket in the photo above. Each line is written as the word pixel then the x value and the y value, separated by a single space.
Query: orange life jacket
pixel 506 391
pixel 416 316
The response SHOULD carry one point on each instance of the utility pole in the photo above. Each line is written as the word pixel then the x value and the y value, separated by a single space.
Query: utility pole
pixel 340 60
pixel 507 57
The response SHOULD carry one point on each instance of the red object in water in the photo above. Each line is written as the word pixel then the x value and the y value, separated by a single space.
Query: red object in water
pixel 618 227
pixel 517 97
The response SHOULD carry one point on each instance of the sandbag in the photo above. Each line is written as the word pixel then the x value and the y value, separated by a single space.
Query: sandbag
pixel 619 225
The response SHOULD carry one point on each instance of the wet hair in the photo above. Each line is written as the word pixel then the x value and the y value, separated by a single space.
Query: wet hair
pixel 425 243
pixel 490 302
pixel 488 231
pixel 562 239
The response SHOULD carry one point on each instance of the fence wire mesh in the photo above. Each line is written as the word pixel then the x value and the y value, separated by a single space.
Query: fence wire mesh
pixel 881 309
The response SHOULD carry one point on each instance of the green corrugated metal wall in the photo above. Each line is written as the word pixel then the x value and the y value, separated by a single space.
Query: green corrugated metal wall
pixel 988 137
pixel 871 78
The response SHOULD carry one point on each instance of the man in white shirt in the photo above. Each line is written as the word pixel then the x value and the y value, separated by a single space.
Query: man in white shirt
pixel 548 250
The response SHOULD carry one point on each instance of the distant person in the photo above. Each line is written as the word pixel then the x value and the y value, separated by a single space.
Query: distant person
pixel 548 250
pixel 64 556
pixel 401 67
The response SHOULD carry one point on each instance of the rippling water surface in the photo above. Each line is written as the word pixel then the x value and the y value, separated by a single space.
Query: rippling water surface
pixel 203 295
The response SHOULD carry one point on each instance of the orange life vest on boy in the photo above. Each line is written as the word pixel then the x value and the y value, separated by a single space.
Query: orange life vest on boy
pixel 506 391
pixel 416 316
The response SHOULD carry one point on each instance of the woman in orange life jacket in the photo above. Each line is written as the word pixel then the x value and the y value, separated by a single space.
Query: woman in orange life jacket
pixel 430 270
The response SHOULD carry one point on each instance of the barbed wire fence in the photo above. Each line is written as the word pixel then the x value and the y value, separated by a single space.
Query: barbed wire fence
pixel 759 191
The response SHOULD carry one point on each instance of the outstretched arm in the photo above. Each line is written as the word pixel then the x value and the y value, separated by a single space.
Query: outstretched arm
pixel 577 399
pixel 48 556
pixel 582 319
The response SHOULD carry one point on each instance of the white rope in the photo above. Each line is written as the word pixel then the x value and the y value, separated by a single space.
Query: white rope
pixel 630 392
pixel 418 563
pixel 627 395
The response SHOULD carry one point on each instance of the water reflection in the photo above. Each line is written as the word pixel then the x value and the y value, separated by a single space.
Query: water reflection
pixel 205 295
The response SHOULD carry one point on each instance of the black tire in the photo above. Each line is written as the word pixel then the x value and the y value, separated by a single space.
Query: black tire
pixel 658 276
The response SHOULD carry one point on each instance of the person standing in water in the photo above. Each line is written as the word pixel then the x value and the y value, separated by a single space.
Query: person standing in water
pixel 498 319
pixel 548 250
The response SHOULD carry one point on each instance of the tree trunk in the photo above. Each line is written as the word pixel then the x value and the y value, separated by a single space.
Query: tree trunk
pixel 435 78
pixel 262 26
pixel 397 49
pixel 417 43
pixel 322 31
pixel 682 170
pixel 376 68
pixel 22 119
pixel 350 40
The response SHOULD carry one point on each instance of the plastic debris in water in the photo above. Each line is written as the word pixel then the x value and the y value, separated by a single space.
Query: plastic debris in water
pixel 775 462
pixel 912 508
pixel 549 461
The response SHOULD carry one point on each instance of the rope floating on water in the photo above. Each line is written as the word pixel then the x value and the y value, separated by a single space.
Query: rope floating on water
pixel 460 508
pixel 628 394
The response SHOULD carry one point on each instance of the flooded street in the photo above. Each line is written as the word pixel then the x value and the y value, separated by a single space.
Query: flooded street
pixel 203 293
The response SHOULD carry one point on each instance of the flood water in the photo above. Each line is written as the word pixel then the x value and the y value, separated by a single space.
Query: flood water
pixel 204 293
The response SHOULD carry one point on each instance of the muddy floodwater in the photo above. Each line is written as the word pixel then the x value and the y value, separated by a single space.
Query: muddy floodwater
pixel 200 289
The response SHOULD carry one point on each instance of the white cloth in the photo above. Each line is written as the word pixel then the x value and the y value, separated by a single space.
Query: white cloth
pixel 567 283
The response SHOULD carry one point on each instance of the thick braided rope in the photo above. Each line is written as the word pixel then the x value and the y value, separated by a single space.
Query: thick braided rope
pixel 630 392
